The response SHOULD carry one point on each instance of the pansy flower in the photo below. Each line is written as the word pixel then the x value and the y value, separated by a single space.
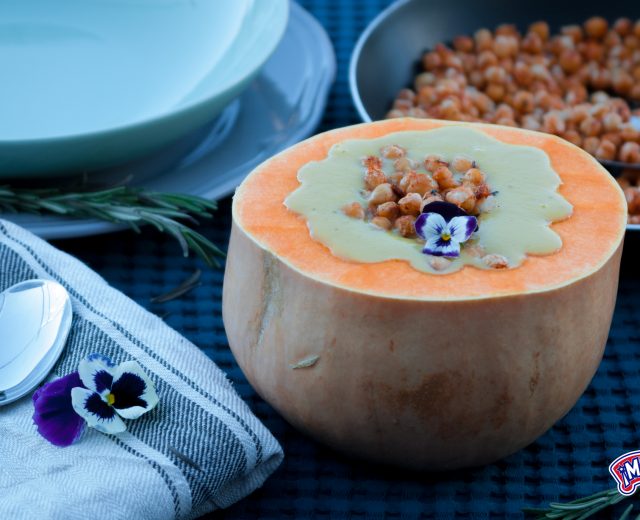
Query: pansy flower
pixel 112 393
pixel 54 415
pixel 99 394
pixel 443 237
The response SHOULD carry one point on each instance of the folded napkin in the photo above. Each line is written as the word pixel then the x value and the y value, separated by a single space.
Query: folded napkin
pixel 200 449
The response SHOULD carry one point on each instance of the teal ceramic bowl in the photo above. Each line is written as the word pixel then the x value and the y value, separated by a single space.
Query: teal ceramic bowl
pixel 88 84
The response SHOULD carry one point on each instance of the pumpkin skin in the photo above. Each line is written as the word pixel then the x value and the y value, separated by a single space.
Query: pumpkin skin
pixel 428 372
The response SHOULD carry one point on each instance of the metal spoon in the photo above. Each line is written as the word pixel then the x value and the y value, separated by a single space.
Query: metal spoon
pixel 35 319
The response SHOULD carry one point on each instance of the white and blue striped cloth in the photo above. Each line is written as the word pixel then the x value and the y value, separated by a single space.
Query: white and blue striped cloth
pixel 200 449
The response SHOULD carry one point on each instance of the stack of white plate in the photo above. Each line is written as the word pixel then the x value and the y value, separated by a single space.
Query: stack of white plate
pixel 178 95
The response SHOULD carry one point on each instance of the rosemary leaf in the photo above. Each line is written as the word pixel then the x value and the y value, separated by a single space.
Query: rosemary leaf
pixel 627 513
pixel 168 212
pixel 182 289
pixel 581 508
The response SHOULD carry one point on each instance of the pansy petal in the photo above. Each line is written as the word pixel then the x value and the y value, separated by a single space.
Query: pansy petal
pixel 450 249
pixel 435 246
pixel 446 209
pixel 53 413
pixel 430 224
pixel 133 391
pixel 96 372
pixel 99 415
pixel 461 228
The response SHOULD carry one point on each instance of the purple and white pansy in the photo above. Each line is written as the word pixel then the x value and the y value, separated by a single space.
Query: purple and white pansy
pixel 112 393
pixel 99 394
pixel 443 237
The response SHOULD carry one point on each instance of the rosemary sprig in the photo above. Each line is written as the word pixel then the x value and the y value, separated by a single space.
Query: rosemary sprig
pixel 190 283
pixel 125 205
pixel 581 508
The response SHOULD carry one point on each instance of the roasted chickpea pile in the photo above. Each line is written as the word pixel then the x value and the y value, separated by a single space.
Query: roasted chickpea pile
pixel 630 182
pixel 577 84
pixel 395 199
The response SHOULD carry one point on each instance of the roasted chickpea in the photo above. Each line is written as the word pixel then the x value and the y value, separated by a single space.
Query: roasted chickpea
pixel 431 162
pixel 374 178
pixel 523 102
pixel 404 164
pixel 431 198
pixel 406 226
pixel 406 93
pixel 487 59
pixel 496 91
pixel 629 133
pixel 600 78
pixel 541 29
pixel 531 123
pixel 392 114
pixel 382 223
pixel 532 43
pixel 372 162
pixel 630 152
pixel 570 61
pixel 613 137
pixel 505 46
pixel 553 123
pixel 443 176
pixel 463 44
pixel 439 263
pixel 425 79
pixel 631 41
pixel 573 31
pixel 612 122
pixel 573 137
pixel 354 210
pixel 381 194
pixel 483 40
pixel 590 144
pixel 596 27
pixel 474 177
pixel 463 197
pixel 410 204
pixel 623 26
pixel 621 81
pixel 402 104
pixel 462 164
pixel 414 182
pixel 507 29
pixel 393 151
pixel 591 127
pixel 431 61
pixel 576 93
pixel 416 112
pixel 606 151
pixel 635 92
pixel 592 51
pixel 388 210
pixel 396 177
pixel 495 261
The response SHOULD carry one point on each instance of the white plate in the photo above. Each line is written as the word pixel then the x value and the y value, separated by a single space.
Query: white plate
pixel 90 84
pixel 281 107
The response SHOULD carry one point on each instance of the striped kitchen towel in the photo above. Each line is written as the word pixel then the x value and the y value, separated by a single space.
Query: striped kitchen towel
pixel 200 449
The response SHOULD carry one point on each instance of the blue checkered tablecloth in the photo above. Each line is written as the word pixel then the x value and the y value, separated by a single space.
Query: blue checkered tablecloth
pixel 315 482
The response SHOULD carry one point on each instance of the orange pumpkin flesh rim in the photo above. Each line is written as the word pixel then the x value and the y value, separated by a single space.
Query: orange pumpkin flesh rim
pixel 590 236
